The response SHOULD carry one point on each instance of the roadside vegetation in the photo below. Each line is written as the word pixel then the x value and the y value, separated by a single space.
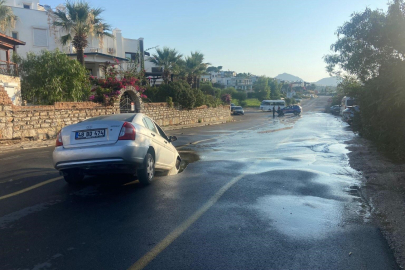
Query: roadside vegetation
pixel 51 76
pixel 370 51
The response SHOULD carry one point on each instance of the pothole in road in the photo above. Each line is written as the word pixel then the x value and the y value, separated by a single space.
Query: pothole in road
pixel 187 156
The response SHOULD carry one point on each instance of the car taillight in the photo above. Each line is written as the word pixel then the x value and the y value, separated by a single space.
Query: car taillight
pixel 59 141
pixel 127 132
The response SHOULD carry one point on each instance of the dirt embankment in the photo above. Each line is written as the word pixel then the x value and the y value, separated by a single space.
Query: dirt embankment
pixel 384 189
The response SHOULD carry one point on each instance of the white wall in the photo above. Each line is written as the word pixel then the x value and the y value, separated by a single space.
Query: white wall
pixel 19 3
pixel 28 20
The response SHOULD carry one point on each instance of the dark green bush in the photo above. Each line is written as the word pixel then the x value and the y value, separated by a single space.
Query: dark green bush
pixel 185 98
pixel 240 95
pixel 200 98
pixel 51 76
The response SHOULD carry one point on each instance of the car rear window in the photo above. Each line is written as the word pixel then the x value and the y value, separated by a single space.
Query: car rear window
pixel 127 117
pixel 350 102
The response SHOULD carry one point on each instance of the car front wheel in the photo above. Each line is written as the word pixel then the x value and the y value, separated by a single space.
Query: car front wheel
pixel 146 174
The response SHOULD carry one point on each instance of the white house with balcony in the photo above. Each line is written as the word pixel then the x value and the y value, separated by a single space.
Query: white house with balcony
pixel 35 28
pixel 229 79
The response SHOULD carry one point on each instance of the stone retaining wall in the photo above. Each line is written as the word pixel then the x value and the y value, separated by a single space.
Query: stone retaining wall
pixel 43 122
pixel 166 116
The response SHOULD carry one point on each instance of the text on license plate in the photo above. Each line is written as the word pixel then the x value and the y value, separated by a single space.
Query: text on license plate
pixel 88 134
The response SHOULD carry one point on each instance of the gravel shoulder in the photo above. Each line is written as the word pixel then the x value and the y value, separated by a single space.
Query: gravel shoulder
pixel 384 189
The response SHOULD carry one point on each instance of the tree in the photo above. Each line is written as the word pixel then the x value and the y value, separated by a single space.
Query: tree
pixel 194 67
pixel 371 49
pixel 368 41
pixel 52 76
pixel 7 17
pixel 79 21
pixel 262 88
pixel 169 60
pixel 275 89
pixel 214 69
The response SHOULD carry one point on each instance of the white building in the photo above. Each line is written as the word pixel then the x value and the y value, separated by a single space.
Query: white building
pixel 229 79
pixel 34 26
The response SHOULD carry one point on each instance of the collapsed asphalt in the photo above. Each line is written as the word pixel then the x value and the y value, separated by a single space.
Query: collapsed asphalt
pixel 258 193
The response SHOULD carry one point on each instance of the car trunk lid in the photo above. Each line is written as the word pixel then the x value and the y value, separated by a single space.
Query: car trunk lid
pixel 91 133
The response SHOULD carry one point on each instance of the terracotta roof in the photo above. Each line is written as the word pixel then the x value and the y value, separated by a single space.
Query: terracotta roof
pixel 13 41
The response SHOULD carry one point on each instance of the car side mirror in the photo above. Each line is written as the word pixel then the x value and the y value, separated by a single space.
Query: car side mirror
pixel 172 138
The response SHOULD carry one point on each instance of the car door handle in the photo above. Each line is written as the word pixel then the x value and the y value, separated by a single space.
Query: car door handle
pixel 152 134
pixel 165 142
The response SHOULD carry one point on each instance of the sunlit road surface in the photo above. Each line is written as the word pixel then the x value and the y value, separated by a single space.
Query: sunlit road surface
pixel 265 194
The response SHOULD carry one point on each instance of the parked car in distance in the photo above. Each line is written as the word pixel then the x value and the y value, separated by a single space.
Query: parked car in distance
pixel 232 106
pixel 295 109
pixel 335 109
pixel 238 110
pixel 128 143
pixel 348 113
pixel 346 102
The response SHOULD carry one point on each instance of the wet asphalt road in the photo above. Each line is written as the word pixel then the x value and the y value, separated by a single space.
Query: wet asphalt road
pixel 261 193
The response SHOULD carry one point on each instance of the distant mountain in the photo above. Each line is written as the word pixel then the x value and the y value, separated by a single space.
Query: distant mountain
pixel 330 81
pixel 288 77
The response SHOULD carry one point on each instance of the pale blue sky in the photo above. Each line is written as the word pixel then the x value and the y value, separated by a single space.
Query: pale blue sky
pixel 264 37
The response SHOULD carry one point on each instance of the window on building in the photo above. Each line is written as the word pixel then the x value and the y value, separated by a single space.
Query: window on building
pixel 27 6
pixel 132 56
pixel 14 35
pixel 40 37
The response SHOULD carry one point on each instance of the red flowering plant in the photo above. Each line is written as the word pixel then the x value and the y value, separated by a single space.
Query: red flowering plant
pixel 226 98
pixel 107 90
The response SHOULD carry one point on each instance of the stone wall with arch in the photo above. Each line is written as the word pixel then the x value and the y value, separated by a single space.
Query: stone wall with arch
pixel 135 96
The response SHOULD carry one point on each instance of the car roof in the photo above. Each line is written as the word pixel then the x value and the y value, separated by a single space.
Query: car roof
pixel 127 117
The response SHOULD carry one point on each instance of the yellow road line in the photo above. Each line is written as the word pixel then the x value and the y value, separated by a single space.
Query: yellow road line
pixel 30 188
pixel 162 245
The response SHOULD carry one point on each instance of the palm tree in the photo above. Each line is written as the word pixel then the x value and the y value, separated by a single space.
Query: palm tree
pixel 79 21
pixel 7 17
pixel 195 67
pixel 168 59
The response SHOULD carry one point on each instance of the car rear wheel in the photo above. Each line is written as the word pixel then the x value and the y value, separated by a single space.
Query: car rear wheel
pixel 73 177
pixel 146 174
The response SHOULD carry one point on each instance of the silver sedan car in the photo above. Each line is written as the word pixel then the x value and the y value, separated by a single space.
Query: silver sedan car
pixel 121 143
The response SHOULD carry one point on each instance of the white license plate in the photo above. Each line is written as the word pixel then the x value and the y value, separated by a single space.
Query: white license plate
pixel 88 134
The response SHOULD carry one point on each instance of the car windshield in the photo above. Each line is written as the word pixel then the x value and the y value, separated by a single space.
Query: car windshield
pixel 238 108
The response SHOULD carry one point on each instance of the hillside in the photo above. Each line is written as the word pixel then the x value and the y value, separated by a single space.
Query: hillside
pixel 288 77
pixel 330 81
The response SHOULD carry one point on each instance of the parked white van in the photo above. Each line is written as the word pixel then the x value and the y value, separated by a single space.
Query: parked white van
pixel 267 105
pixel 346 101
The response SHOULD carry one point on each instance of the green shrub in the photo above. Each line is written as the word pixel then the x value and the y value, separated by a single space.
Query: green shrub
pixel 240 95
pixel 185 98
pixel 243 103
pixel 200 98
pixel 213 101
pixel 152 93
pixel 169 101
pixel 51 76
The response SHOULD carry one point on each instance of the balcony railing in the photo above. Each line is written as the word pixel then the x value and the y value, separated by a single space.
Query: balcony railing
pixel 8 68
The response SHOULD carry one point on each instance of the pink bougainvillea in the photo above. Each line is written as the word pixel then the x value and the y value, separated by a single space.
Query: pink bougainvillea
pixel 107 90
